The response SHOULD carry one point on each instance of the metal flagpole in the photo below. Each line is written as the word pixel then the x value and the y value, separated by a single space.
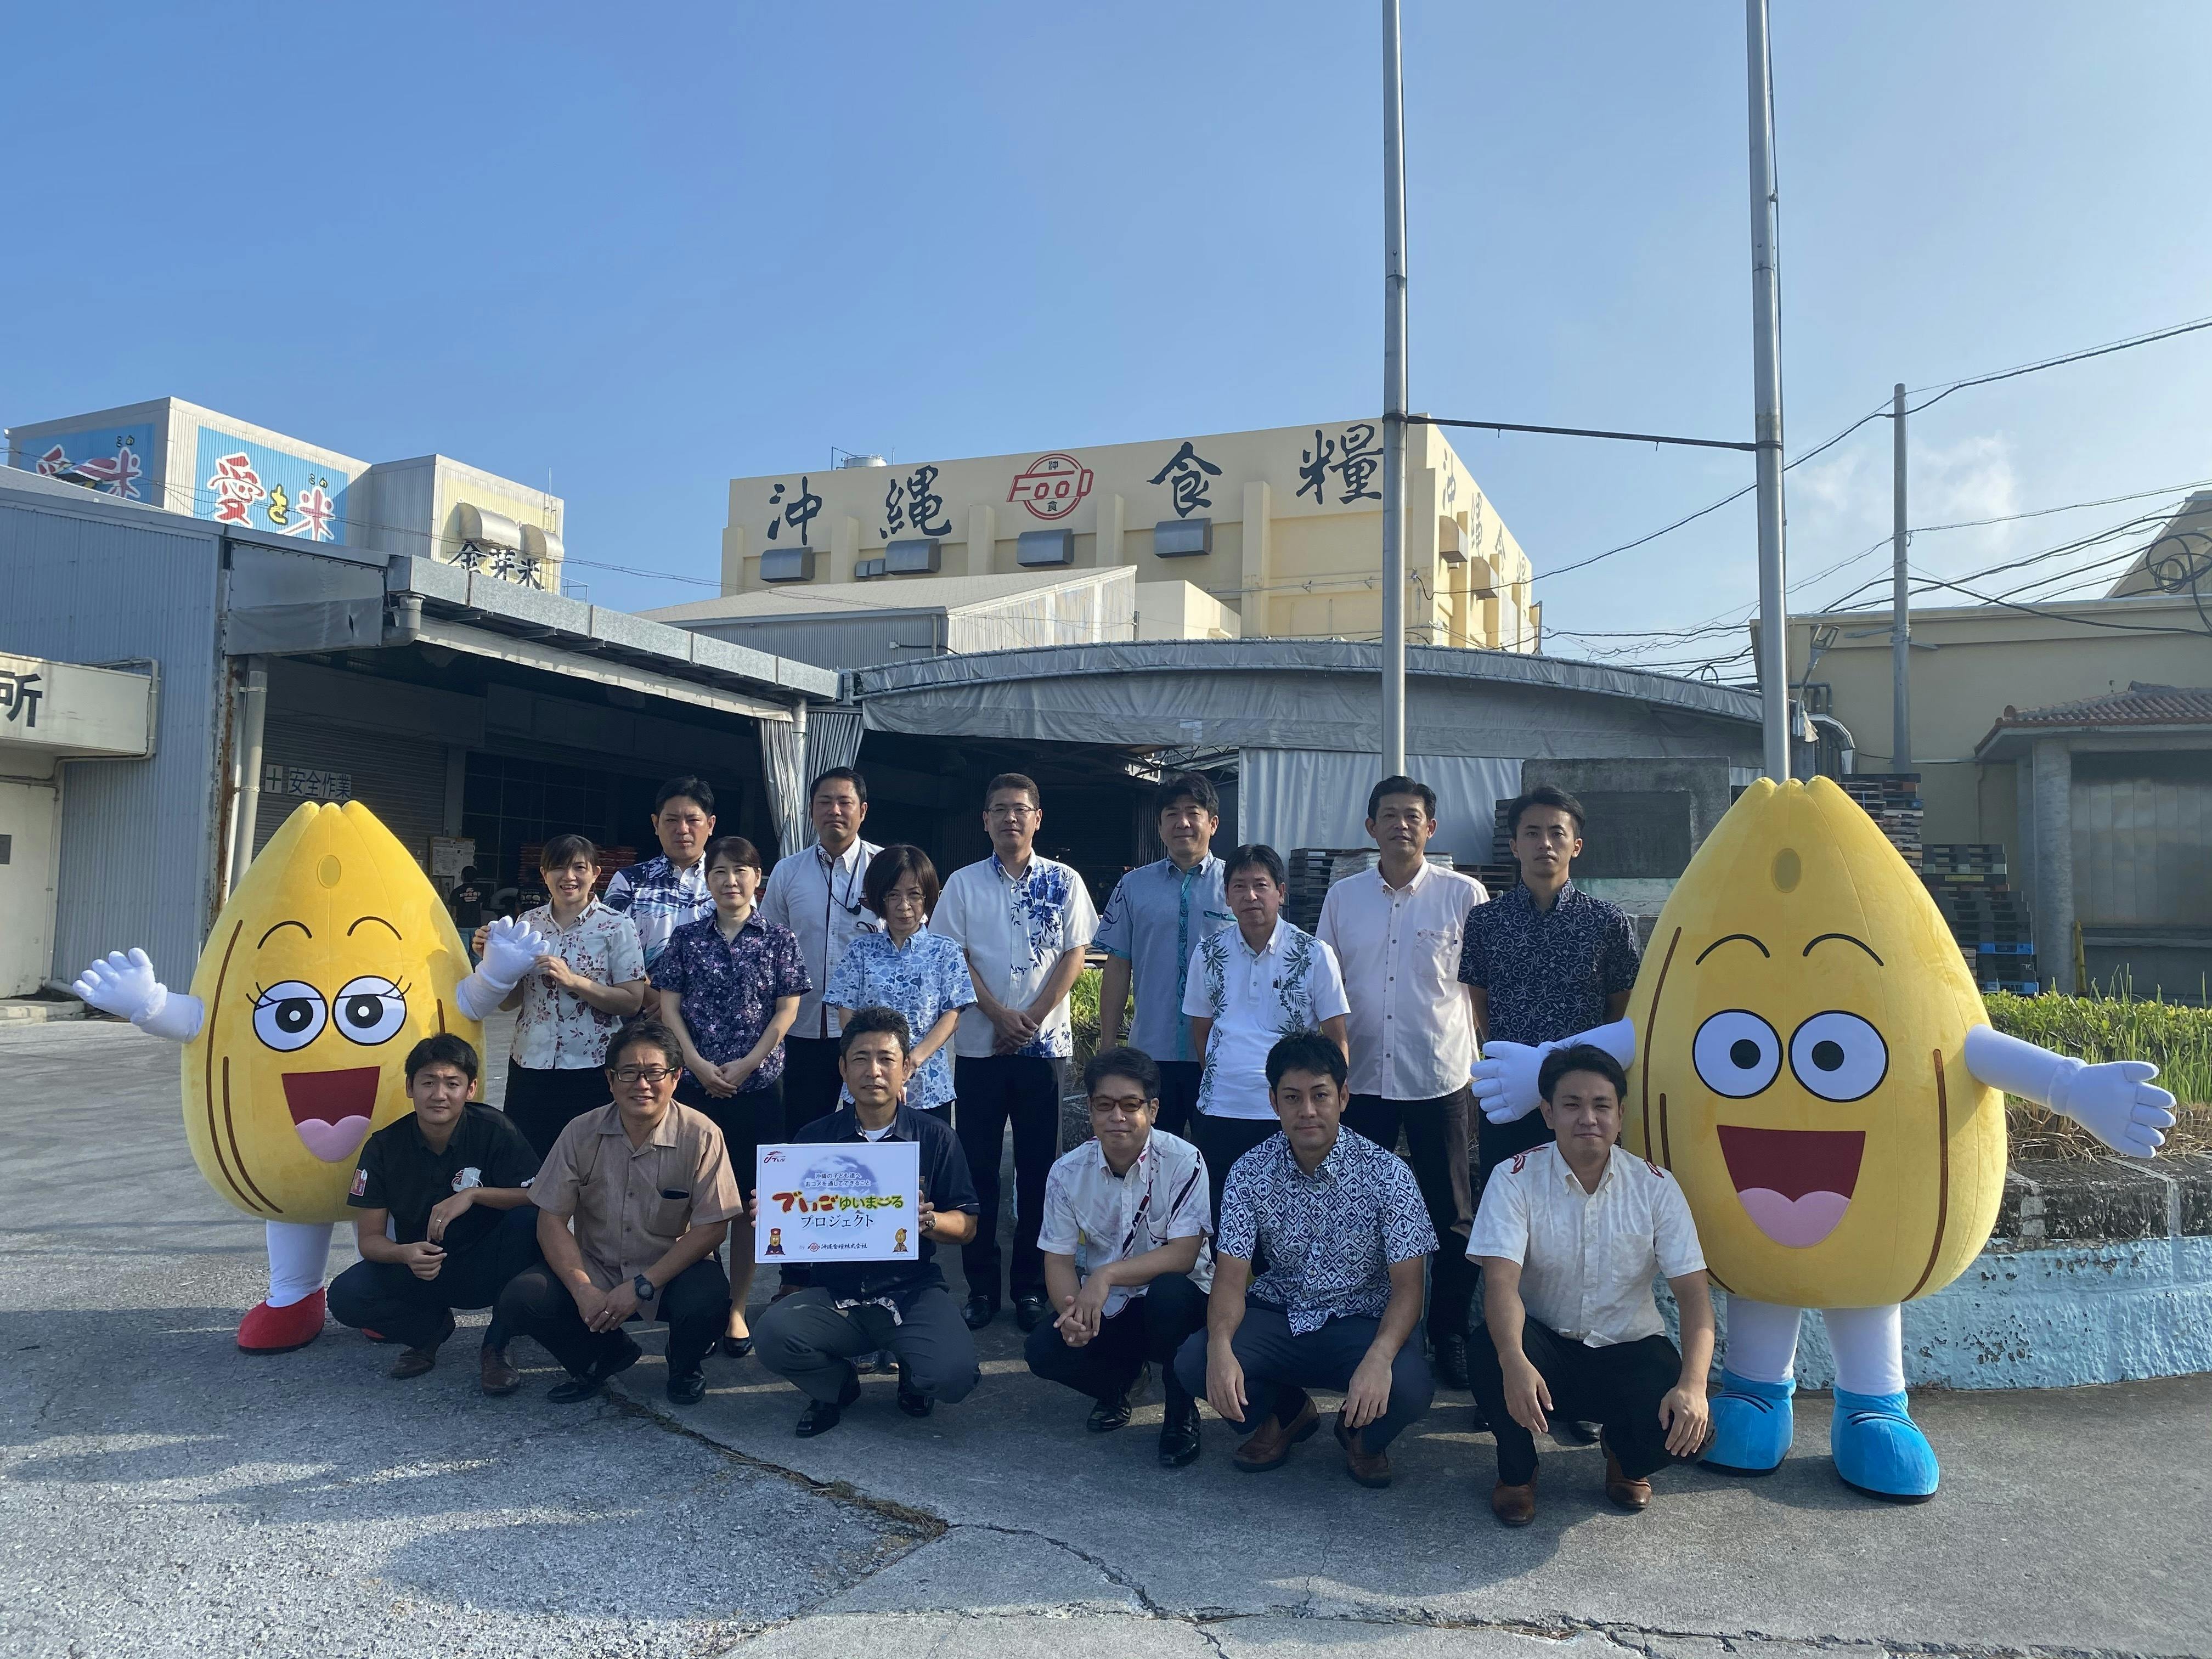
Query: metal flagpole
pixel 1766 384
pixel 1900 620
pixel 1394 397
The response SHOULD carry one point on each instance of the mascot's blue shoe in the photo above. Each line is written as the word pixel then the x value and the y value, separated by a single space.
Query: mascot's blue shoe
pixel 1753 1424
pixel 1880 1449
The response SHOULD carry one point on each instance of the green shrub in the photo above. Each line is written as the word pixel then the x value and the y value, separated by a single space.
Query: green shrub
pixel 2176 1039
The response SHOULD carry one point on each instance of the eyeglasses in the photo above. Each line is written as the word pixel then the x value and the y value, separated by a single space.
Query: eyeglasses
pixel 1021 812
pixel 642 1073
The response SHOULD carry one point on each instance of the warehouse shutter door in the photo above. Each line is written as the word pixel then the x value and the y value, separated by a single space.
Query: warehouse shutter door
pixel 400 779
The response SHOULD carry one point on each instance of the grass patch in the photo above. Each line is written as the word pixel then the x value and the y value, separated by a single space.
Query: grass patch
pixel 2176 1039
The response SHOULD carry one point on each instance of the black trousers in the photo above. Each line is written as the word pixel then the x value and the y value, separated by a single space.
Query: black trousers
pixel 1178 1095
pixel 749 1120
pixel 1276 1360
pixel 1496 1142
pixel 994 1091
pixel 810 1342
pixel 696 1304
pixel 1151 1327
pixel 1619 1387
pixel 1437 1146
pixel 1222 1140
pixel 810 1078
pixel 388 1297
pixel 543 1102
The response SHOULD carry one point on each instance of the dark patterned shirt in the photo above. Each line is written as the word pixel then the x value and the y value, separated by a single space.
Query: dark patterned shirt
pixel 1549 972
pixel 1330 1238
pixel 731 986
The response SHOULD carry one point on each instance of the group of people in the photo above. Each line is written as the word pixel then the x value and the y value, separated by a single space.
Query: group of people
pixel 1240 1221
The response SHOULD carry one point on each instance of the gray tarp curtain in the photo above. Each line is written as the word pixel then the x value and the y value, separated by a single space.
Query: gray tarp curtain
pixel 1314 798
pixel 833 739
pixel 783 758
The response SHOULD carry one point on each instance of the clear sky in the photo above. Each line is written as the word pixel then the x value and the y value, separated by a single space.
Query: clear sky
pixel 643 251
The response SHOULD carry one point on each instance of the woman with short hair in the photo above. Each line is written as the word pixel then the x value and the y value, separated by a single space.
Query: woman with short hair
pixel 910 969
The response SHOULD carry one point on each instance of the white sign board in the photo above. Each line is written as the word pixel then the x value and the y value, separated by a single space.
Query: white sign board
pixel 848 1201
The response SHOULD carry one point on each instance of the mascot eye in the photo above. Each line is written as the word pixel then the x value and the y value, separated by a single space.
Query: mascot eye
pixel 1736 1053
pixel 371 1009
pixel 1838 1056
pixel 290 1015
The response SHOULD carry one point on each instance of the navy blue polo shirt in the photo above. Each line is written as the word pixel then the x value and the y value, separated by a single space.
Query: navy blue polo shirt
pixel 944 1181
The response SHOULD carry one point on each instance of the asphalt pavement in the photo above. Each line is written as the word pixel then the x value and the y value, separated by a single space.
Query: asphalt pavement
pixel 162 1493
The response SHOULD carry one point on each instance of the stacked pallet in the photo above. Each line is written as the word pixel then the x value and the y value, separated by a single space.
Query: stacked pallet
pixel 1892 799
pixel 1970 881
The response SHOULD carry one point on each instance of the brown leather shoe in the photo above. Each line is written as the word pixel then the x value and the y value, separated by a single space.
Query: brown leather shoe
pixel 499 1374
pixel 1514 1506
pixel 1368 1468
pixel 415 1362
pixel 1631 1495
pixel 1269 1448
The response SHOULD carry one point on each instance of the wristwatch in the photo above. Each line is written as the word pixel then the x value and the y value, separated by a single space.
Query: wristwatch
pixel 643 1286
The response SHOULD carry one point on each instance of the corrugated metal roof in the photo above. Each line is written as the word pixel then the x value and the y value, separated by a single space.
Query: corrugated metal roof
pixel 2139 705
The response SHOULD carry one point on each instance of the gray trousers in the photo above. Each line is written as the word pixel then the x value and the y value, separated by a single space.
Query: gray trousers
pixel 806 1340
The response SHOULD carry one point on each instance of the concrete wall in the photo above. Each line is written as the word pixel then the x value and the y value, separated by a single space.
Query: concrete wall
pixel 1290 560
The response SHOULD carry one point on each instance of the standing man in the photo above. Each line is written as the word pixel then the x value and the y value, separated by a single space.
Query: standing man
pixel 819 893
pixel 1250 986
pixel 1153 922
pixel 1545 965
pixel 648 1188
pixel 1569 1237
pixel 1339 1222
pixel 661 894
pixel 442 1219
pixel 811 1337
pixel 1397 932
pixel 1124 1255
pixel 1024 920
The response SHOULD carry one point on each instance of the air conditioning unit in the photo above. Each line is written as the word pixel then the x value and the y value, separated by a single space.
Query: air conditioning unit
pixel 1045 547
pixel 787 564
pixel 915 556
pixel 865 569
pixel 1182 538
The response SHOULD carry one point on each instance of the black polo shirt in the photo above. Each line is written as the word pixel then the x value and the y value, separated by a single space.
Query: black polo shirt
pixel 944 1181
pixel 399 1172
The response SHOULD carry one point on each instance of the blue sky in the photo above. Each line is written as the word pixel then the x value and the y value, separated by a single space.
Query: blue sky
pixel 649 254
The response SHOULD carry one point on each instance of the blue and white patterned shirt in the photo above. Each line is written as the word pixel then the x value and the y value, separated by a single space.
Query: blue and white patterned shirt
pixel 1154 922
pixel 1548 973
pixel 1014 931
pixel 921 978
pixel 1256 998
pixel 730 987
pixel 660 898
pixel 1330 1238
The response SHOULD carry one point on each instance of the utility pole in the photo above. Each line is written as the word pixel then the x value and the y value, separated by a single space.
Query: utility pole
pixel 1766 386
pixel 1901 620
pixel 1394 396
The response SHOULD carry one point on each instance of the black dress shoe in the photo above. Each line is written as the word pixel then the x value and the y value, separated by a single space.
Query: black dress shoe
pixel 734 1348
pixel 979 1311
pixel 576 1389
pixel 688 1389
pixel 1450 1361
pixel 1115 1412
pixel 1179 1434
pixel 883 1361
pixel 820 1417
pixel 911 1400
pixel 1031 1311
pixel 1574 1431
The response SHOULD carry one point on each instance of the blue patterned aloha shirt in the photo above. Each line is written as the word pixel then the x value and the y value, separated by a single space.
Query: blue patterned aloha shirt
pixel 923 979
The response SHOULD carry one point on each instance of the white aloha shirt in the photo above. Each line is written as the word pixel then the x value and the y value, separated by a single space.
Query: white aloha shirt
pixel 1254 999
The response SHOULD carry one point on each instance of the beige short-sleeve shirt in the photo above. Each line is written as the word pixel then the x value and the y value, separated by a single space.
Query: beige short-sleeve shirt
pixel 630 1204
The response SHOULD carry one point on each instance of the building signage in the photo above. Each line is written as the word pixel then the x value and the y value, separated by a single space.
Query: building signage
pixel 20 693
pixel 115 460
pixel 1051 486
pixel 241 483
pixel 307 783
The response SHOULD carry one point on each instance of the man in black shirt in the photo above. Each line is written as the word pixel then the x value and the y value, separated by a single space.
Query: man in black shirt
pixel 449 1180
pixel 811 1336
pixel 467 902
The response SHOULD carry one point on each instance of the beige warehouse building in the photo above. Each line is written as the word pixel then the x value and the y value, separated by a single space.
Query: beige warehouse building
pixel 1273 534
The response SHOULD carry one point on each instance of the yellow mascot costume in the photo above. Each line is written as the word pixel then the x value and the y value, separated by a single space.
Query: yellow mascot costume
pixel 333 958
pixel 1814 1065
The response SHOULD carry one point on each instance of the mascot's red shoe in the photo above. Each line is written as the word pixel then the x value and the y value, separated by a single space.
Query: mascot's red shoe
pixel 279 1330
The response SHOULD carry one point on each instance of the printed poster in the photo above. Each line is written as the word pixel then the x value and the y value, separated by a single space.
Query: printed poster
pixel 857 1201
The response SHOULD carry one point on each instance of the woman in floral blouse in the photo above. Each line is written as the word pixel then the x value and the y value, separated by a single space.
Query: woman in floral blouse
pixel 591 979
pixel 910 969
pixel 729 985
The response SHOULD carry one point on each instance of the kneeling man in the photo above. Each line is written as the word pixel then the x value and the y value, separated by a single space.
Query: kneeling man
pixel 1347 1238
pixel 649 1186
pixel 1568 1236
pixel 443 1219
pixel 1126 1260
pixel 849 1309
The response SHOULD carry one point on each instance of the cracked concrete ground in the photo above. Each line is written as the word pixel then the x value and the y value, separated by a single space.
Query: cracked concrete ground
pixel 162 1493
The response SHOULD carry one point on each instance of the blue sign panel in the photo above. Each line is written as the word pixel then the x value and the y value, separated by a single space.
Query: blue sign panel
pixel 242 482
pixel 115 460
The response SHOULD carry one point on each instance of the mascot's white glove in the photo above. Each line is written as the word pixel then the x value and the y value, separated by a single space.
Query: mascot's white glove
pixel 2115 1102
pixel 1505 1077
pixel 126 986
pixel 511 950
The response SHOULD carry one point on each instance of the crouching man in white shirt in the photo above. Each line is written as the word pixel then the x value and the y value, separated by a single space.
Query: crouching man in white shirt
pixel 1568 1238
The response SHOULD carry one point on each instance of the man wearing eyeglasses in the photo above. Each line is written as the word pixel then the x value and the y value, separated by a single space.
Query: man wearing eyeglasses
pixel 647 1187
pixel 1024 920
pixel 817 893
